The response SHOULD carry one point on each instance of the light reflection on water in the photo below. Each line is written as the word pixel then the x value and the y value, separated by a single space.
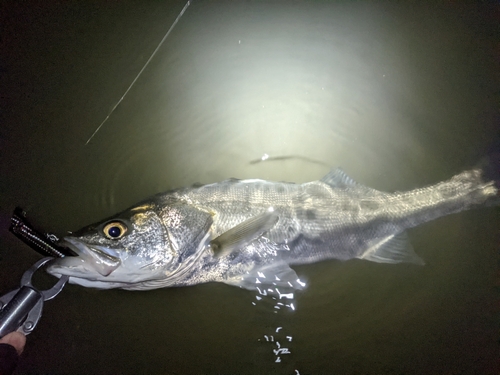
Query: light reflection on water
pixel 279 337
pixel 281 302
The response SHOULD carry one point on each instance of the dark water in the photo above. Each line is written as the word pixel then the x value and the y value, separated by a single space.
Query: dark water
pixel 399 96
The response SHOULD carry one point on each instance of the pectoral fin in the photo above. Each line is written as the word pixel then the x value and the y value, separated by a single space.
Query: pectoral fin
pixel 243 233
pixel 392 249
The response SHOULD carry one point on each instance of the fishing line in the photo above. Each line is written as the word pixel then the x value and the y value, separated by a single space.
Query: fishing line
pixel 142 70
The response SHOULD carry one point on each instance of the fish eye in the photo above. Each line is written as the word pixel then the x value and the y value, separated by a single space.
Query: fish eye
pixel 115 230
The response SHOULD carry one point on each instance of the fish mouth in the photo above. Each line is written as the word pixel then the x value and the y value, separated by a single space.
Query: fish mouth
pixel 101 258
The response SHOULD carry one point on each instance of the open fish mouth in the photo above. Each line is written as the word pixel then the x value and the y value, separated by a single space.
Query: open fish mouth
pixel 102 259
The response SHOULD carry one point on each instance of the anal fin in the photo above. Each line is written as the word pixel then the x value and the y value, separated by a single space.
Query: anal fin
pixel 392 249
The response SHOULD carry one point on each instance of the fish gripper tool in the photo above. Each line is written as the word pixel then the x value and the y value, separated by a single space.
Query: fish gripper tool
pixel 21 309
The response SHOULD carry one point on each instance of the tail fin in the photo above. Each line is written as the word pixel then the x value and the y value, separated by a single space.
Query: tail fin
pixel 490 166
pixel 490 171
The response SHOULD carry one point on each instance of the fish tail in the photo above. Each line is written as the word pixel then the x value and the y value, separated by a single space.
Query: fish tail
pixel 490 167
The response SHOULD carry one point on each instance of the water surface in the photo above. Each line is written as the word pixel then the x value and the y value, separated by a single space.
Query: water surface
pixel 398 96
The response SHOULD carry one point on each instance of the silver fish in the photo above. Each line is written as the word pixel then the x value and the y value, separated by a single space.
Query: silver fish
pixel 249 232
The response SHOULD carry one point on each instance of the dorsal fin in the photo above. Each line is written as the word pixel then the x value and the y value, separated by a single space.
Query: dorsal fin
pixel 337 177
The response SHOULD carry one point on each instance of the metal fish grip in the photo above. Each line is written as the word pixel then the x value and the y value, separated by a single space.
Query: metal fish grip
pixel 21 309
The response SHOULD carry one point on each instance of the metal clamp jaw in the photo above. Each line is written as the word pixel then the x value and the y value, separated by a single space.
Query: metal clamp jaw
pixel 21 309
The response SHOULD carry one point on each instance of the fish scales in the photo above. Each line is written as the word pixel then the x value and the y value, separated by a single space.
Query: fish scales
pixel 329 219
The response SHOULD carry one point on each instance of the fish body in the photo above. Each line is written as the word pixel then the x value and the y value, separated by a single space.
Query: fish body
pixel 249 232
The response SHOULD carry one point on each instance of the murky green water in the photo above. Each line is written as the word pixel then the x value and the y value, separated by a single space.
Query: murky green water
pixel 399 96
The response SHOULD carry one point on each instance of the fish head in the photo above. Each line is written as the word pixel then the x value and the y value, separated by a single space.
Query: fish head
pixel 146 245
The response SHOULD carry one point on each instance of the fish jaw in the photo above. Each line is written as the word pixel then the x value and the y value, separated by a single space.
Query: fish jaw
pixel 101 267
pixel 91 261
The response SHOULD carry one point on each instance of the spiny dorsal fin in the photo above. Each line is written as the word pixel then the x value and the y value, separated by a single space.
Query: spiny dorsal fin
pixel 337 177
